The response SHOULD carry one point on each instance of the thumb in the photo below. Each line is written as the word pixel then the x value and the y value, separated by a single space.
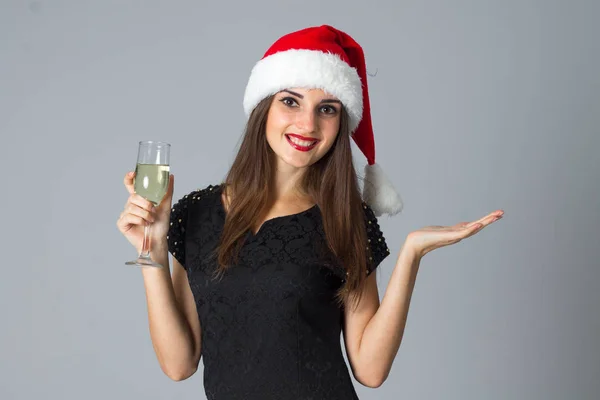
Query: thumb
pixel 170 188
pixel 168 197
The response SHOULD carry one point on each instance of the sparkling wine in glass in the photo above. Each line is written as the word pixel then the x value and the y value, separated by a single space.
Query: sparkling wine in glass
pixel 151 182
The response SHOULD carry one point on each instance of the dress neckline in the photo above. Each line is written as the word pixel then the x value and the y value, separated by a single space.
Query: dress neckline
pixel 270 221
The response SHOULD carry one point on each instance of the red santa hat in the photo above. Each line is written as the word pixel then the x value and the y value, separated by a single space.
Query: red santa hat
pixel 325 58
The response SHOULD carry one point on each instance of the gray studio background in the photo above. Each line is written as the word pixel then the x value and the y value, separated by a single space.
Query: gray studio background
pixel 477 105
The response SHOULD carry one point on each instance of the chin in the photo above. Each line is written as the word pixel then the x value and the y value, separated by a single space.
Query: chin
pixel 295 158
pixel 297 163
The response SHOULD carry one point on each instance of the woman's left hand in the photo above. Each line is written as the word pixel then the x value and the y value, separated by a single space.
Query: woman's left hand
pixel 432 237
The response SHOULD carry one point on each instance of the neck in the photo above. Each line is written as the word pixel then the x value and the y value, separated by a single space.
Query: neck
pixel 288 184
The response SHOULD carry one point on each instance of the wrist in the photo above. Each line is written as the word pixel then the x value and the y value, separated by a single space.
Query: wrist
pixel 157 247
pixel 408 250
pixel 407 266
pixel 160 246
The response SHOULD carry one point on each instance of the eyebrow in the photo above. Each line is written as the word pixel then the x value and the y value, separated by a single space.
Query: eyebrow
pixel 322 101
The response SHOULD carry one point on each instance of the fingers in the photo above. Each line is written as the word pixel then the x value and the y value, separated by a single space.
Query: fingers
pixel 137 200
pixel 128 220
pixel 139 207
pixel 138 211
pixel 469 229
pixel 488 219
pixel 478 222
pixel 128 182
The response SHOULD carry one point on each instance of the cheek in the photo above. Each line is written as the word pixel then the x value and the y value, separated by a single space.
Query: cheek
pixel 278 123
pixel 283 118
pixel 330 131
pixel 331 128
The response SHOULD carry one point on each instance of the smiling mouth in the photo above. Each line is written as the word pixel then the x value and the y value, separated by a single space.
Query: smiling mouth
pixel 302 145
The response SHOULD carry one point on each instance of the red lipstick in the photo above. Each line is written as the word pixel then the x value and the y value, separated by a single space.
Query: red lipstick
pixel 302 137
pixel 299 147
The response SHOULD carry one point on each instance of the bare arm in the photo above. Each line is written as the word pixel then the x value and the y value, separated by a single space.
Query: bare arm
pixel 172 317
pixel 373 332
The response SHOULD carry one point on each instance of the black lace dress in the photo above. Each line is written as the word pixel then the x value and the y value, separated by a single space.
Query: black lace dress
pixel 270 327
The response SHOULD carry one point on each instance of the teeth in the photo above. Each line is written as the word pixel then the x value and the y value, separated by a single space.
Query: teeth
pixel 303 143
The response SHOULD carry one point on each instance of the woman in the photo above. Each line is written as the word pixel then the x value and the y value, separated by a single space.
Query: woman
pixel 273 264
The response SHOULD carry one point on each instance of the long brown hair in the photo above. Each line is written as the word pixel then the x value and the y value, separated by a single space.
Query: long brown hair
pixel 331 181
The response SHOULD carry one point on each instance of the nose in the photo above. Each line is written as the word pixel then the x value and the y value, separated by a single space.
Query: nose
pixel 306 121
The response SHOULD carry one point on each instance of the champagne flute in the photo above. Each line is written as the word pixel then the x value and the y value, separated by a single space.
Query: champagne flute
pixel 151 182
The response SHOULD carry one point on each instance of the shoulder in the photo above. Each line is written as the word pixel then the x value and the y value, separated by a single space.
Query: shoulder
pixel 183 217
pixel 372 223
pixel 375 237
pixel 368 213
pixel 197 196
pixel 203 198
pixel 371 220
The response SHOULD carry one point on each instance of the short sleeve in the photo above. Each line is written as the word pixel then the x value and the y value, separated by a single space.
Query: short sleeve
pixel 377 248
pixel 177 226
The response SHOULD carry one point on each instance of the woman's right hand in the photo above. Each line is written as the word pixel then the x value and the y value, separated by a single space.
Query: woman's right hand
pixel 139 212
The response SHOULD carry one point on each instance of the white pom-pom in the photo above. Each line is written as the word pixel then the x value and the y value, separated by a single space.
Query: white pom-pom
pixel 379 193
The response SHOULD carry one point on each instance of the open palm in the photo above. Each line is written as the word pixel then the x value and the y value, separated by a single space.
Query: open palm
pixel 429 238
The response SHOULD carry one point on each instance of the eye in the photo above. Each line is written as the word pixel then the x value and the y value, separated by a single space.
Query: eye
pixel 288 101
pixel 329 109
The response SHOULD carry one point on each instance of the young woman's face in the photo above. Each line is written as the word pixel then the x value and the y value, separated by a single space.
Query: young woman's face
pixel 308 117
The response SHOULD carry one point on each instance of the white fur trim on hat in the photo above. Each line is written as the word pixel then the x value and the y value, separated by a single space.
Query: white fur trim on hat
pixel 379 192
pixel 308 69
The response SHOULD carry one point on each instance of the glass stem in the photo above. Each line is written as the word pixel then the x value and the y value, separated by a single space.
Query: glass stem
pixel 146 243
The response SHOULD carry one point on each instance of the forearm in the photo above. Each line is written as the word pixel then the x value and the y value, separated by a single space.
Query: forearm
pixel 169 330
pixel 383 334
